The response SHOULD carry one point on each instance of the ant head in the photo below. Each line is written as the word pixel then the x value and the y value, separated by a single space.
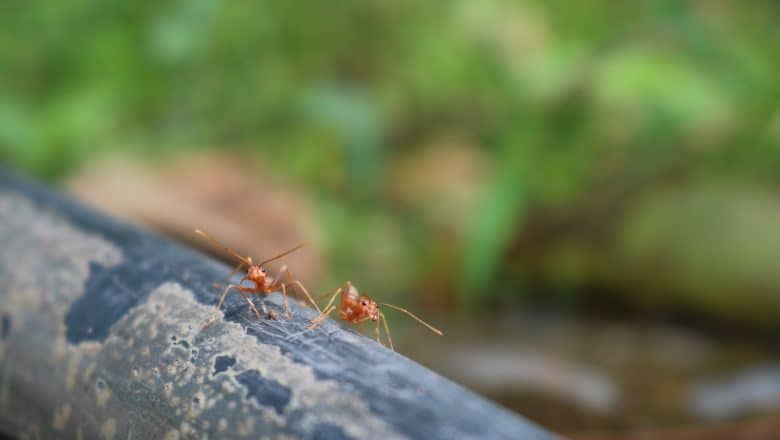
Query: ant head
pixel 255 273
pixel 369 307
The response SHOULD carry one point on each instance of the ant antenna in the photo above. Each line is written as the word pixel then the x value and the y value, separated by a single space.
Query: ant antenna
pixel 430 327
pixel 223 247
pixel 235 270
pixel 287 252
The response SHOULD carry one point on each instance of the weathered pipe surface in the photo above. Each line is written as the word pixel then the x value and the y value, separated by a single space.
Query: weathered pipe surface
pixel 101 337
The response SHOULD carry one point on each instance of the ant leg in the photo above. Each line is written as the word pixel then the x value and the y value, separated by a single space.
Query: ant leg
pixel 251 304
pixel 321 318
pixel 224 294
pixel 284 297
pixel 227 279
pixel 329 308
pixel 291 280
pixel 329 305
pixel 322 295
pixel 227 289
pixel 265 309
pixel 387 330
pixel 241 289
pixel 219 304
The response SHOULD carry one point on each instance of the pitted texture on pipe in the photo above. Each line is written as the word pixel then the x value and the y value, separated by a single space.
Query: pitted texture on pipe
pixel 101 337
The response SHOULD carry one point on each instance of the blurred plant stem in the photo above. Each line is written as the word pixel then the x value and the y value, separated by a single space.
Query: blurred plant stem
pixel 498 217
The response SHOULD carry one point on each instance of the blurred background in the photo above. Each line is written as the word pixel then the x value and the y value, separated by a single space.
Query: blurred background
pixel 585 196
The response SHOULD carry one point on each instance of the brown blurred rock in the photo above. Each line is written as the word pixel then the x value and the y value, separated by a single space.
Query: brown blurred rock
pixel 760 428
pixel 243 205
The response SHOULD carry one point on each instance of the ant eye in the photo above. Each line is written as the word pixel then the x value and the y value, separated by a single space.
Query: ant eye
pixel 364 303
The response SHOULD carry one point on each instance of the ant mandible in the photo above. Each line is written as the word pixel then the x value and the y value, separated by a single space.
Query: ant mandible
pixel 357 309
pixel 264 284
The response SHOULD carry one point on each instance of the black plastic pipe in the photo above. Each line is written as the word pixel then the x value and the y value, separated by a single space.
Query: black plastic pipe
pixel 101 337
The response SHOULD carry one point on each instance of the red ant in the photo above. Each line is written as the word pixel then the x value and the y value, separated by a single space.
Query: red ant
pixel 357 309
pixel 264 284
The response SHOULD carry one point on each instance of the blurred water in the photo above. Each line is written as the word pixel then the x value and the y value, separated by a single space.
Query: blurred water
pixel 495 367
pixel 591 375
pixel 733 395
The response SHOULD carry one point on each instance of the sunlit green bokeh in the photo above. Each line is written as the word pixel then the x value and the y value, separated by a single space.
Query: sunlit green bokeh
pixel 591 111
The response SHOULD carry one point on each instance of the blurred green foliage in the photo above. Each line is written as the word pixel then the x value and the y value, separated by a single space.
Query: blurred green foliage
pixel 569 103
